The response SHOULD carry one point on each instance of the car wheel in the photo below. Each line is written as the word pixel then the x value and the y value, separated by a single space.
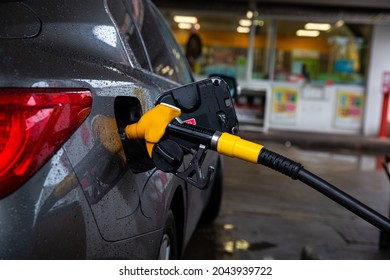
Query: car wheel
pixel 168 245
pixel 211 212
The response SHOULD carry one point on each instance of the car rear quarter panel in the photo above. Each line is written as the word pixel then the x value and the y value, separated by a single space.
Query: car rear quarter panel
pixel 85 202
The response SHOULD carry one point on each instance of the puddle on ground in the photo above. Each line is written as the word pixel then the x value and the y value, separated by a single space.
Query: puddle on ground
pixel 257 246
pixel 221 243
pixel 241 244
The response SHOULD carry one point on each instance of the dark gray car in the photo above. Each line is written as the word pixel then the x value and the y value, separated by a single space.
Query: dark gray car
pixel 73 73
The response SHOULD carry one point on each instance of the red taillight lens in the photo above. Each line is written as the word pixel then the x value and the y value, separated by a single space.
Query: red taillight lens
pixel 34 123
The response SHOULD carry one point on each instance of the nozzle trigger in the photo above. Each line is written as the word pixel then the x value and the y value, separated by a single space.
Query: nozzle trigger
pixel 193 174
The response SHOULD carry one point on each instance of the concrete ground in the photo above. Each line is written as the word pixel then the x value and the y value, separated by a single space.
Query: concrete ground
pixel 266 215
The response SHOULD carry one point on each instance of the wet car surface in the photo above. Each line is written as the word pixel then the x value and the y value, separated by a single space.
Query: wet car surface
pixel 73 75
pixel 266 215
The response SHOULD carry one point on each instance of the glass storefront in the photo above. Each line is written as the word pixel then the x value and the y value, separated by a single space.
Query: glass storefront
pixel 295 74
pixel 335 55
pixel 224 50
pixel 252 47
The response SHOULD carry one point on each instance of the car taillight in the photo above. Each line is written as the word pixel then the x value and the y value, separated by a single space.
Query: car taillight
pixel 34 123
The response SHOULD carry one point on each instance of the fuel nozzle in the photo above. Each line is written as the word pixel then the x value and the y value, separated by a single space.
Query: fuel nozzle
pixel 160 127
pixel 152 125
pixel 162 122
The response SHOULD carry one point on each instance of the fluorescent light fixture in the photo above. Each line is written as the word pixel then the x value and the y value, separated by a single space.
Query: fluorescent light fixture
pixel 243 29
pixel 317 26
pixel 245 22
pixel 185 19
pixel 307 33
pixel 183 25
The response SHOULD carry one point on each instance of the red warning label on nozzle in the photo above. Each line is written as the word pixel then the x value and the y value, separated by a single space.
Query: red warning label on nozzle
pixel 191 121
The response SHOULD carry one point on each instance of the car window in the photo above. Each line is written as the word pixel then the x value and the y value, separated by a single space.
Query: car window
pixel 128 30
pixel 149 38
pixel 168 61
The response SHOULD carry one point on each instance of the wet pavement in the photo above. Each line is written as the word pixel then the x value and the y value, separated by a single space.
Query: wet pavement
pixel 266 215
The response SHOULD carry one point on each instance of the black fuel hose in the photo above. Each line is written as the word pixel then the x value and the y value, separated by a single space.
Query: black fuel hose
pixel 297 171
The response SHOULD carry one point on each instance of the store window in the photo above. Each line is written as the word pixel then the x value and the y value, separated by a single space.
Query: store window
pixel 224 42
pixel 262 48
pixel 258 47
pixel 321 53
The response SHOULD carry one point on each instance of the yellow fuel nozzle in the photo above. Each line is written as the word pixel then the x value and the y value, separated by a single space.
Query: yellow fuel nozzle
pixel 233 146
pixel 152 125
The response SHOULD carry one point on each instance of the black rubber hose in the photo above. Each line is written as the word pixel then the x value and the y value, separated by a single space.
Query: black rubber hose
pixel 296 171
pixel 279 163
pixel 344 200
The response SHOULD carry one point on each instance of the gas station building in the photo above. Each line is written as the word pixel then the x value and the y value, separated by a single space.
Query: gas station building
pixel 318 66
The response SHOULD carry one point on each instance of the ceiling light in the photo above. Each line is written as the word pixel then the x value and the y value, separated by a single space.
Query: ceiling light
pixel 245 22
pixel 317 26
pixel 242 29
pixel 185 19
pixel 249 14
pixel 183 25
pixel 307 33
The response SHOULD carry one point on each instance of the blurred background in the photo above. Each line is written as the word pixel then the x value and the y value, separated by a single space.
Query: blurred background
pixel 314 80
pixel 302 65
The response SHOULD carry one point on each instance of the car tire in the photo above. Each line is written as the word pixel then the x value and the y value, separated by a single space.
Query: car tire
pixel 211 211
pixel 168 246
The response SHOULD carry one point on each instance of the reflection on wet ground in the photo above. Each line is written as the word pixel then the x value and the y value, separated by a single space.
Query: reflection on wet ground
pixel 225 245
pixel 266 215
